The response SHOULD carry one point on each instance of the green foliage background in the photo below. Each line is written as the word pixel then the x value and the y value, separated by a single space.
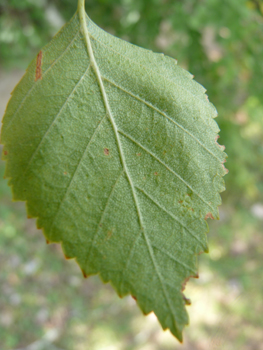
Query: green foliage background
pixel 220 42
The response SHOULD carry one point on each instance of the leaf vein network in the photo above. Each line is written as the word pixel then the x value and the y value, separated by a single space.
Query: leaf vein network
pixel 56 118
pixel 148 104
pixel 165 165
pixel 147 68
pixel 170 214
pixel 75 173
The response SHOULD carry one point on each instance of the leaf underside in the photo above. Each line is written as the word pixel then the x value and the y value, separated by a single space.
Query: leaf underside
pixel 114 150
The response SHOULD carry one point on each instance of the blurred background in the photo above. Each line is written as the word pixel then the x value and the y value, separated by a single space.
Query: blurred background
pixel 45 304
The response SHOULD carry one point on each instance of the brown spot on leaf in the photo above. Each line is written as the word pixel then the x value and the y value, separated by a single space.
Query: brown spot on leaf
pixel 5 153
pixel 222 147
pixel 29 217
pixel 100 225
pixel 156 173
pixel 106 151
pixel 138 154
pixel 66 257
pixel 225 169
pixel 133 297
pixel 109 234
pixel 180 202
pixel 84 274
pixel 39 66
pixel 187 279
pixel 186 300
pixel 48 242
pixel 210 216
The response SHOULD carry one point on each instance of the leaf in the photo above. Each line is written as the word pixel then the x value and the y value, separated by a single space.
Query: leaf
pixel 114 150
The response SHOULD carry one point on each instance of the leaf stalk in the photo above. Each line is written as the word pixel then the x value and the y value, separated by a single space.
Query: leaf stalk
pixel 81 7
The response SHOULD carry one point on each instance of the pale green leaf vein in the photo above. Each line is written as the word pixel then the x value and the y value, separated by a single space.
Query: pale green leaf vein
pixel 106 102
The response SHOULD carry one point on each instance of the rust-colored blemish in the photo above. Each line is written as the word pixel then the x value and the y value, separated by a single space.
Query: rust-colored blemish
pixel 187 300
pixel 39 66
pixel 138 154
pixel 180 202
pixel 67 257
pixel 225 169
pixel 47 241
pixel 222 147
pixel 84 274
pixel 5 153
pixel 133 297
pixel 65 173
pixel 187 279
pixel 109 234
pixel 106 151
pixel 29 217
pixel 210 216
pixel 156 173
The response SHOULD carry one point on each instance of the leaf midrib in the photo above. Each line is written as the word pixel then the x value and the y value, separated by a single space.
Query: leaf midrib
pixel 96 69
pixel 110 116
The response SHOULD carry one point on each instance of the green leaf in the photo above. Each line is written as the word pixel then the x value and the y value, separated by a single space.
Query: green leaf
pixel 114 150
